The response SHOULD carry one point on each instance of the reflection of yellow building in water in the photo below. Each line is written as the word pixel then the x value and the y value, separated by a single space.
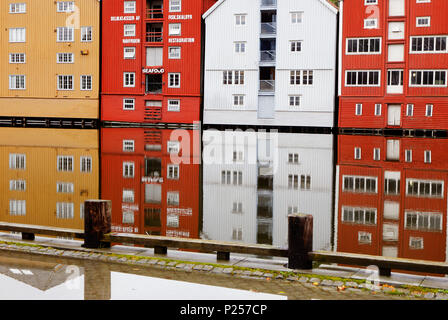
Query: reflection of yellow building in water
pixel 49 58
pixel 47 174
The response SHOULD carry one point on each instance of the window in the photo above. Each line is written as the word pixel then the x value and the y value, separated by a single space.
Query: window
pixel 172 220
pixel 408 155
pixel 376 154
pixel 129 79
pixel 129 30
pixel 65 163
pixel 355 215
pixel 427 156
pixel 357 153
pixel 305 182
pixel 86 34
pixel 296 46
pixel 225 177
pixel 410 110
pixel 423 22
pixel 424 188
pixel 64 187
pixel 174 53
pixel 65 58
pixel 17 8
pixel 378 109
pixel 65 34
pixel 65 6
pixel 65 82
pixel 370 23
pixel 86 164
pixel 128 217
pixel 416 243
pixel 17 207
pixel 65 210
pixel 128 196
pixel 175 5
pixel 238 156
pixel 362 78
pixel 237 233
pixel 17 35
pixel 238 100
pixel 433 78
pixel 174 105
pixel 128 104
pixel 173 147
pixel 129 7
pixel 128 169
pixel 293 158
pixel 17 161
pixel 367 2
pixel 240 19
pixel 239 77
pixel 172 198
pixel 173 171
pixel 423 221
pixel 173 80
pixel 429 108
pixel 129 53
pixel 128 145
pixel 358 109
pixel 304 77
pixel 359 184
pixel 240 47
pixel 364 237
pixel 363 46
pixel 391 184
pixel 429 44
pixel 17 185
pixel 294 101
pixel 296 17
pixel 16 58
pixel 174 29
pixel 293 181
pixel 233 77
pixel 86 82
pixel 17 82
pixel 237 207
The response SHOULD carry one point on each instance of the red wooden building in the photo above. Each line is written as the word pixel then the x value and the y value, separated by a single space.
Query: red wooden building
pixel 152 178
pixel 152 60
pixel 393 64
pixel 391 196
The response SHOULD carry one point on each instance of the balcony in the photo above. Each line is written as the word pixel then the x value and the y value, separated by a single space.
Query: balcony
pixel 267 55
pixel 154 14
pixel 154 37
pixel 267 85
pixel 268 28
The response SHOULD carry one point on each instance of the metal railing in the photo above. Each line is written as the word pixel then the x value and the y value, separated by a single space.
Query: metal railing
pixel 267 55
pixel 154 87
pixel 267 85
pixel 268 28
pixel 154 14
pixel 154 37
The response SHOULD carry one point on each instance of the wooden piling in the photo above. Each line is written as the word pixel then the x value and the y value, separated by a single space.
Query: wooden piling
pixel 97 223
pixel 300 241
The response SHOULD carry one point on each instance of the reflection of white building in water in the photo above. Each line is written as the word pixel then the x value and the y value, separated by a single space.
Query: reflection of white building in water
pixel 252 181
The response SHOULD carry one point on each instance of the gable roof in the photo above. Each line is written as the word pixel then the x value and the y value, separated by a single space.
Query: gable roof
pixel 330 5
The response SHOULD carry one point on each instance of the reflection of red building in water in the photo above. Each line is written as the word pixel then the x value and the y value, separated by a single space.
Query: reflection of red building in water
pixel 152 57
pixel 152 178
pixel 392 197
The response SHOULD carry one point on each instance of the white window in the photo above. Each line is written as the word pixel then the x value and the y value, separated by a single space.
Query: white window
pixel 128 217
pixel 429 78
pixel 427 156
pixel 17 82
pixel 129 30
pixel 129 79
pixel 416 243
pixel 174 53
pixel 424 221
pixel 359 184
pixel 293 158
pixel 410 110
pixel 240 19
pixel 17 185
pixel 364 237
pixel 86 164
pixel 363 46
pixel 293 181
pixel 365 78
pixel 370 23
pixel 173 80
pixel 128 196
pixel 17 161
pixel 423 21
pixel 305 182
pixel 65 210
pixel 17 8
pixel 129 53
pixel 128 169
pixel 429 109
pixel 17 35
pixel 128 104
pixel 240 47
pixel 16 58
pixel 357 153
pixel 172 220
pixel 408 155
pixel 301 77
pixel 65 34
pixel 173 171
pixel 65 57
pixel 296 17
pixel 65 163
pixel 358 109
pixel 429 44
pixel 86 34
pixel 378 109
pixel 128 145
pixel 174 105
pixel 65 82
pixel 173 147
pixel 81 210
pixel 294 101
pixel 17 207
pixel 66 6
pixel 238 100
pixel 356 215
pixel 296 46
pixel 64 187
pixel 174 29
pixel 367 2
pixel 237 207
pixel 172 198
pixel 86 82
pixel 129 7
pixel 225 177
pixel 424 188
pixel 175 5
pixel 237 233
pixel 376 154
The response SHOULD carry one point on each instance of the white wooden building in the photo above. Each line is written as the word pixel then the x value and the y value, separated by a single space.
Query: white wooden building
pixel 281 174
pixel 270 62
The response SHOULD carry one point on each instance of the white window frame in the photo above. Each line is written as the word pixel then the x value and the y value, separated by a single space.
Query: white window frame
pixel 65 163
pixel 296 17
pixel 86 164
pixel 240 19
pixel 128 145
pixel 373 26
pixel 65 210
pixel 127 103
pixel 86 82
pixel 294 100
pixel 424 41
pixel 175 5
pixel 240 46
pixel 65 57
pixel 365 178
pixel 357 153
pixel 369 50
pixel 172 171
pixel 376 154
pixel 129 30
pixel 65 34
pixel 86 34
pixel 17 185
pixel 65 79
pixel 358 109
pixel 128 168
pixel 174 80
pixel 15 8
pixel 175 29
pixel 17 58
pixel 17 82
pixel 378 107
pixel 129 52
pixel 238 100
pixel 420 25
pixel 65 6
pixel 434 79
pixel 128 196
pixel 17 35
pixel 17 161
pixel 173 105
pixel 357 76
pixel 430 182
pixel 65 187
pixel 129 6
pixel 409 110
pixel 17 207
pixel 174 52
pixel 429 110
pixel 127 77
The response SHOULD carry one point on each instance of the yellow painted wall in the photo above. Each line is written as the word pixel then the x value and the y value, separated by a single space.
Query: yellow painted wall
pixel 41 68
pixel 41 147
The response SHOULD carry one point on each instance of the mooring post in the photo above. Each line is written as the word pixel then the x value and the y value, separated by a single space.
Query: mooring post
pixel 97 222
pixel 300 241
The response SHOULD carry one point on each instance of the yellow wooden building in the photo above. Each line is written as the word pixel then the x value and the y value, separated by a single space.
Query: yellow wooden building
pixel 47 174
pixel 49 58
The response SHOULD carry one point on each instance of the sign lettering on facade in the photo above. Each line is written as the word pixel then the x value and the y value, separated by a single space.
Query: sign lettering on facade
pixel 152 180
pixel 180 40
pixel 125 18
pixel 180 211
pixel 154 70
pixel 180 17
pixel 131 40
